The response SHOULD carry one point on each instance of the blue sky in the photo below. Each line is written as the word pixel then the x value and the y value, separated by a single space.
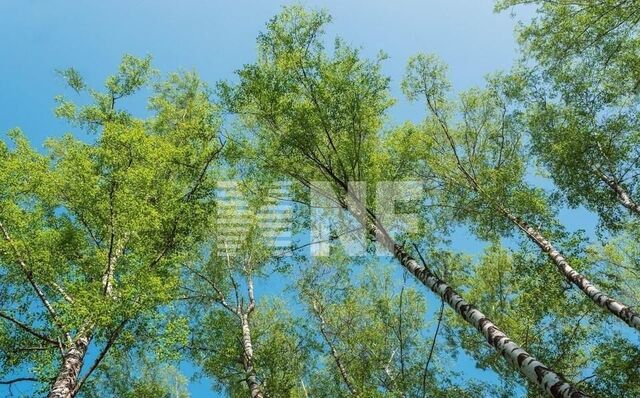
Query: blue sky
pixel 215 38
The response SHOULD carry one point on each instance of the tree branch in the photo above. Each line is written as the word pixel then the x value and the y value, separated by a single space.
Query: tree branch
pixel 29 275
pixel 17 380
pixel 103 353
pixel 28 329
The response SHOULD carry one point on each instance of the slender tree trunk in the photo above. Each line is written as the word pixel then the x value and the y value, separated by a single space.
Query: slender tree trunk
pixel 66 384
pixel 107 277
pixel 622 195
pixel 535 371
pixel 115 251
pixel 72 362
pixel 335 355
pixel 617 308
pixel 251 379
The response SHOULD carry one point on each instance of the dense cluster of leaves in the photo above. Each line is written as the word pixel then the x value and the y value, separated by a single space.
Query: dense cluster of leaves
pixel 123 239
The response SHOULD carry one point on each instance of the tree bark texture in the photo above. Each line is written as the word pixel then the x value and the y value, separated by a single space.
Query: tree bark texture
pixel 72 361
pixel 552 383
pixel 617 308
pixel 247 346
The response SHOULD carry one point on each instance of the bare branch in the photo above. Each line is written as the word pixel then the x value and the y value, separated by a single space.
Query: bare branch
pixel 17 380
pixel 433 344
pixel 28 329
pixel 221 298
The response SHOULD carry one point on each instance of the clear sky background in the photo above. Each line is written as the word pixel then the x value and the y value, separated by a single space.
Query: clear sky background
pixel 215 38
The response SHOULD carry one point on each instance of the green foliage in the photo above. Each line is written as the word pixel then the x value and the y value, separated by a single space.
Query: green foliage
pixel 101 228
pixel 280 360
pixel 124 239
pixel 132 377
pixel 616 373
pixel 472 151
pixel 316 115
pixel 222 283
pixel 426 76
pixel 598 39
pixel 524 295
pixel 581 99
pixel 375 323
pixel 133 74
pixel 73 78
pixel 471 155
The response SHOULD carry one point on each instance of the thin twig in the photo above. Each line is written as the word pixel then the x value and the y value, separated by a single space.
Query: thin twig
pixel 433 344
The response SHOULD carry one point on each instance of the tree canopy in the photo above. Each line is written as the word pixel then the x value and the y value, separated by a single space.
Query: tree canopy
pixel 189 234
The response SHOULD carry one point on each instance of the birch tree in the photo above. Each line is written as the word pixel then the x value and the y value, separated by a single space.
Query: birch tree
pixel 251 346
pixel 317 116
pixel 582 103
pixel 92 233
pixel 372 334
pixel 480 164
pixel 570 333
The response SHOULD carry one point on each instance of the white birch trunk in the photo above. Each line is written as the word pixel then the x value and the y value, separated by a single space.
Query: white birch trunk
pixel 622 195
pixel 65 384
pixel 552 383
pixel 247 346
pixel 617 308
